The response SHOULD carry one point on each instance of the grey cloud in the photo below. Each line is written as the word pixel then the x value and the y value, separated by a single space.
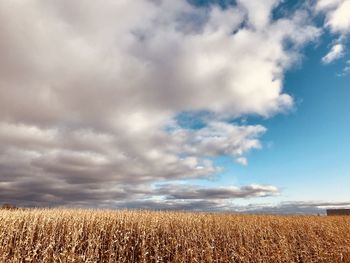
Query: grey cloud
pixel 43 191
pixel 195 192
pixel 184 205
pixel 49 191
pixel 288 208
pixel 88 90
pixel 78 82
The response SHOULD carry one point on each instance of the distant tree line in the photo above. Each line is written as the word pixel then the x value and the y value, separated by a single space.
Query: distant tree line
pixel 8 206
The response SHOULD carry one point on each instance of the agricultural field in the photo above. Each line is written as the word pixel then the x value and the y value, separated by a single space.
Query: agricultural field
pixel 76 235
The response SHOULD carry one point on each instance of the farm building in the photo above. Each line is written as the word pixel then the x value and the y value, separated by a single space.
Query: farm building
pixel 338 212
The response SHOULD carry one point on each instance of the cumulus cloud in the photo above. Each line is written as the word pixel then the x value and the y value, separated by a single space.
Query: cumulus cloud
pixel 336 52
pixel 219 138
pixel 89 92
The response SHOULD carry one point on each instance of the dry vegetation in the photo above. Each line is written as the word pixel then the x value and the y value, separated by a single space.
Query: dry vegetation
pixel 67 235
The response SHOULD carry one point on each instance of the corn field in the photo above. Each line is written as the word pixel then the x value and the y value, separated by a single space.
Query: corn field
pixel 74 235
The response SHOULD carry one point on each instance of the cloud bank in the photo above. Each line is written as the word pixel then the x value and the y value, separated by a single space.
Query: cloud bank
pixel 90 93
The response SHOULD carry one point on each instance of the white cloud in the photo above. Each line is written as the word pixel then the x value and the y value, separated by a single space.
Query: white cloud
pixel 87 89
pixel 324 5
pixel 345 71
pixel 337 15
pixel 336 52
pixel 242 160
pixel 337 19
pixel 258 12
pixel 219 138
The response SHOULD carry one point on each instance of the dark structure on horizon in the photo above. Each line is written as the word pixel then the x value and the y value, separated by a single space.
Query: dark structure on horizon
pixel 338 212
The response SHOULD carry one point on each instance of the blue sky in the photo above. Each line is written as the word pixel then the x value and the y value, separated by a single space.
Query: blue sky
pixel 195 105
pixel 306 149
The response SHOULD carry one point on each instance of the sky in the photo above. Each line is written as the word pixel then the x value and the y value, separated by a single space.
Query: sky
pixel 188 105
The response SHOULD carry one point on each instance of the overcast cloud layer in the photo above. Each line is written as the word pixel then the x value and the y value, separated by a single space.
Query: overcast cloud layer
pixel 90 93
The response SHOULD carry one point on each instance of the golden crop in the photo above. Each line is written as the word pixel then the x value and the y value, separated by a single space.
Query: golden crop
pixel 75 235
